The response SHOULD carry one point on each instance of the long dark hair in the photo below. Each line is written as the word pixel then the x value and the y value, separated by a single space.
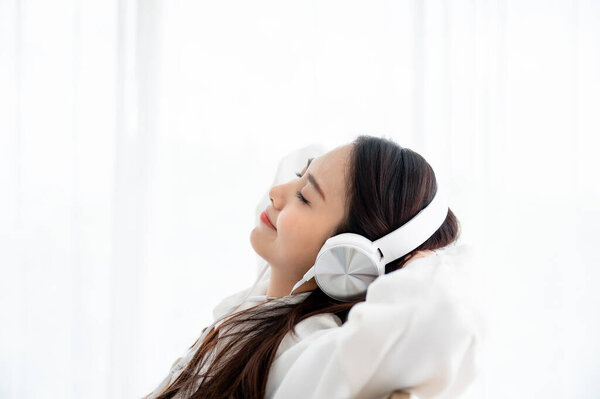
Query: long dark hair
pixel 387 186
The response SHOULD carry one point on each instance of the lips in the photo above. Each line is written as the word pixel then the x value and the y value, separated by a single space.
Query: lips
pixel 265 218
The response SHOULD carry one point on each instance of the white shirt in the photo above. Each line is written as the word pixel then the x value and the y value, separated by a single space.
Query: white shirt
pixel 414 333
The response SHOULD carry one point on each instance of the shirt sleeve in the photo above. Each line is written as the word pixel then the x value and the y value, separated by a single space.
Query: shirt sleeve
pixel 410 334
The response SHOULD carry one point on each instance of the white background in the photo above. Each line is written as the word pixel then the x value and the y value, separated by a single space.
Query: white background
pixel 136 139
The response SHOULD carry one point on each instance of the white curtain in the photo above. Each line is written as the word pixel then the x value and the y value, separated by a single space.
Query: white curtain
pixel 137 137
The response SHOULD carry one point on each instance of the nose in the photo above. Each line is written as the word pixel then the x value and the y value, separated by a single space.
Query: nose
pixel 274 196
pixel 278 194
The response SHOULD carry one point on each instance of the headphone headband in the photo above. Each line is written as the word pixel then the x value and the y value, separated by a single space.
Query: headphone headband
pixel 416 231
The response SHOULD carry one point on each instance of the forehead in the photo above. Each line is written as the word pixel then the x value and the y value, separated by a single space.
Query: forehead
pixel 329 170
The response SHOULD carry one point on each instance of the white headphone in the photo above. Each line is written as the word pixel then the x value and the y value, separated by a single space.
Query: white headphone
pixel 348 263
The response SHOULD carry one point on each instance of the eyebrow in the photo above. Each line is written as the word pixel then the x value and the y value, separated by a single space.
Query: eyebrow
pixel 312 180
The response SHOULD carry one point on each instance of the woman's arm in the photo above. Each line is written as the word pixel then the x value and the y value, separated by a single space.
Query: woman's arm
pixel 410 334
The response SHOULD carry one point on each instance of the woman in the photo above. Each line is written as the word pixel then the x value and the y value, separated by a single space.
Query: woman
pixel 408 331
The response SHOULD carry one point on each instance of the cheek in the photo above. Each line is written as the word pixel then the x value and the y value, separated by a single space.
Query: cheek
pixel 290 226
pixel 299 234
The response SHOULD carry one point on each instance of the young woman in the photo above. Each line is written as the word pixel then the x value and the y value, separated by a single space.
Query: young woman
pixel 303 339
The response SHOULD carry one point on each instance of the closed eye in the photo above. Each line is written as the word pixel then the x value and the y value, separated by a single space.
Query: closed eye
pixel 299 194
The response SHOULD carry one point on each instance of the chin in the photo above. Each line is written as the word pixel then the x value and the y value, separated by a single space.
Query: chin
pixel 256 241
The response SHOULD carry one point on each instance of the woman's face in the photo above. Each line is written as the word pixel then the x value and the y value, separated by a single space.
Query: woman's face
pixel 301 228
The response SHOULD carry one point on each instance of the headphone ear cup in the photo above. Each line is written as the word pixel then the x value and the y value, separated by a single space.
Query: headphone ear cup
pixel 346 265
